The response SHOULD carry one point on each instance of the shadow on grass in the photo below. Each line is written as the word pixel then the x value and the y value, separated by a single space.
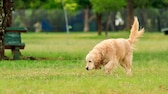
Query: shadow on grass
pixel 33 58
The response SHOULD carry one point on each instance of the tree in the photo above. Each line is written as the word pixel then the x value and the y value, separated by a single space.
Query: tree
pixel 70 5
pixel 165 2
pixel 31 4
pixel 101 6
pixel 153 4
pixel 130 14
pixel 86 5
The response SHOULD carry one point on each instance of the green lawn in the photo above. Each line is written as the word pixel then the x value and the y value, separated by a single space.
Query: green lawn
pixel 64 71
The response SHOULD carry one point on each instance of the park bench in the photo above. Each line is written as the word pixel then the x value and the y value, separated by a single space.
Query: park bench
pixel 165 31
pixel 12 40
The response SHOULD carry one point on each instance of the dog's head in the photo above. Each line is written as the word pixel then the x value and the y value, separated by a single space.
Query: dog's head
pixel 93 60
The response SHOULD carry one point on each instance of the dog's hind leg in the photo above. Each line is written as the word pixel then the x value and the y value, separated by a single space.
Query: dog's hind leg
pixel 126 64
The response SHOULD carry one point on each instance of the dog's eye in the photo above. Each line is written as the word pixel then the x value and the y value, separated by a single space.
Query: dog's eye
pixel 90 61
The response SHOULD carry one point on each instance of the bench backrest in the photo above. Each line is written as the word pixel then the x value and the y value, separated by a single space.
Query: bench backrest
pixel 12 38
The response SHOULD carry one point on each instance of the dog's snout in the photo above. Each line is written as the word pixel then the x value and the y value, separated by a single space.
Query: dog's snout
pixel 87 68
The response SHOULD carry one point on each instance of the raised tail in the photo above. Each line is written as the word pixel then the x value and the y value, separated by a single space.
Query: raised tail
pixel 135 32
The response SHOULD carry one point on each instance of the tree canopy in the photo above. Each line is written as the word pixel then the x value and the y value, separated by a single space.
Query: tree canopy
pixel 97 5
pixel 150 3
pixel 101 6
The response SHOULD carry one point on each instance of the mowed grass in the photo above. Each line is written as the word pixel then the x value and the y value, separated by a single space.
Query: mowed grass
pixel 64 71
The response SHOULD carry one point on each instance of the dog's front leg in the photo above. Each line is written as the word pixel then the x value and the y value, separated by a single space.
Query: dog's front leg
pixel 108 67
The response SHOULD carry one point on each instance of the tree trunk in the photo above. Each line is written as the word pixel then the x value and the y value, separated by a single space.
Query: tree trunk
pixel 23 19
pixel 8 13
pixel 109 22
pixel 86 20
pixel 88 17
pixel 98 20
pixel 110 25
pixel 158 23
pixel 145 20
pixel 130 14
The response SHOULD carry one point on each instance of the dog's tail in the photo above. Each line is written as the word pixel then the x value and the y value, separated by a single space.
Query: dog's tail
pixel 135 32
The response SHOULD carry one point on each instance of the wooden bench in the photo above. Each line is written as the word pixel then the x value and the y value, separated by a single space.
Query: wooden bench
pixel 12 40
pixel 165 31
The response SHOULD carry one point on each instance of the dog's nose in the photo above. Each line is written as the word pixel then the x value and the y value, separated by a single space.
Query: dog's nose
pixel 87 68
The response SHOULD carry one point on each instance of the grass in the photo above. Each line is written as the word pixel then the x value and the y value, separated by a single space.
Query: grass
pixel 64 72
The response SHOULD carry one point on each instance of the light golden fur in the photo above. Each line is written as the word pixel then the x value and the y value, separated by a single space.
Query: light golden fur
pixel 111 52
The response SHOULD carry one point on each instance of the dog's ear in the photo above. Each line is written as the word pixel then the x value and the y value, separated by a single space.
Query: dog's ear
pixel 97 61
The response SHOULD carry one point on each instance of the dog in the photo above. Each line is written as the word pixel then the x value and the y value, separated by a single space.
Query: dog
pixel 112 52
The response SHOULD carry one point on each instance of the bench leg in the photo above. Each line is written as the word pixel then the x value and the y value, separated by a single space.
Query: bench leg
pixel 16 53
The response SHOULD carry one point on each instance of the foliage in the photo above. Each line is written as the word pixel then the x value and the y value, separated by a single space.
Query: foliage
pixel 100 6
pixel 68 4
pixel 165 1
pixel 149 3
pixel 83 3
pixel 44 4
pixel 24 4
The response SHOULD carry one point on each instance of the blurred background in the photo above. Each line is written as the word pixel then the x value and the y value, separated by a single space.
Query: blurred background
pixel 89 15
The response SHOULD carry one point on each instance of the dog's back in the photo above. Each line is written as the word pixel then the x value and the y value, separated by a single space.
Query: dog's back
pixel 111 48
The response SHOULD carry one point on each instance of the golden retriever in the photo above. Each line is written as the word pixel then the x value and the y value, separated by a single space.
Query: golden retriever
pixel 111 52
